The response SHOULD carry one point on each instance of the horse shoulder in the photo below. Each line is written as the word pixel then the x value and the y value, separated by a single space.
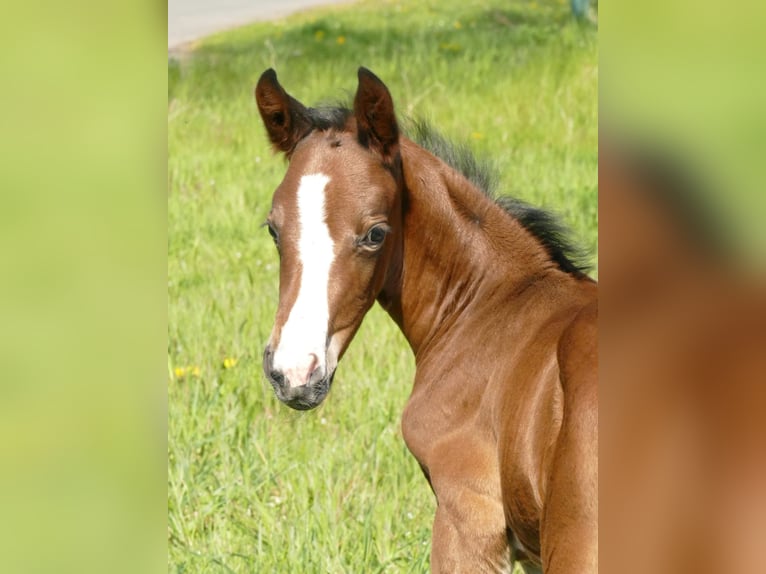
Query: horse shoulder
pixel 578 354
pixel 569 522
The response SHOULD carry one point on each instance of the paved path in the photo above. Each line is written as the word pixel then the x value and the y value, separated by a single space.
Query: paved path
pixel 190 20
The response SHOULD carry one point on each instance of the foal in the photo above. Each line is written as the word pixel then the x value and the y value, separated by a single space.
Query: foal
pixel 503 413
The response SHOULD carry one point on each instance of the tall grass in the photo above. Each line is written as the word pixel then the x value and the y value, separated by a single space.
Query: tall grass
pixel 252 485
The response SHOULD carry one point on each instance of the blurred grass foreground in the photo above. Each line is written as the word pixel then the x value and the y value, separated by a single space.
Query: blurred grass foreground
pixel 252 486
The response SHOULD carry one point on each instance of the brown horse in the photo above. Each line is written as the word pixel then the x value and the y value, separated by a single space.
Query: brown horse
pixel 503 414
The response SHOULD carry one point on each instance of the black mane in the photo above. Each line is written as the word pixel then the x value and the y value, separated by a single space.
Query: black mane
pixel 543 225
pixel 328 117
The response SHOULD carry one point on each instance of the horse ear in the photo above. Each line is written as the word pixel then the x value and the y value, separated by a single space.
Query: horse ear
pixel 375 117
pixel 285 118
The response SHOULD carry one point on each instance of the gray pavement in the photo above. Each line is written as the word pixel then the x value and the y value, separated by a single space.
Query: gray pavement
pixel 190 20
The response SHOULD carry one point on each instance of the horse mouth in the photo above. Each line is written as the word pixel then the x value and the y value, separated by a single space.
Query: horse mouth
pixel 305 397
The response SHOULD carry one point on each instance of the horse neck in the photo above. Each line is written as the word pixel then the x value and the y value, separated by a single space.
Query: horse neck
pixel 457 245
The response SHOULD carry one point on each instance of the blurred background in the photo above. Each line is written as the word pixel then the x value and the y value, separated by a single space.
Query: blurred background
pixel 682 302
pixel 190 20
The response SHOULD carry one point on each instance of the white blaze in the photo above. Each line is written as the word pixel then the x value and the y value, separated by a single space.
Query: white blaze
pixel 304 334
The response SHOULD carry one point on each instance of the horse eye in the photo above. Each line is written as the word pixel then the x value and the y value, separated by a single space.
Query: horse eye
pixel 273 232
pixel 375 236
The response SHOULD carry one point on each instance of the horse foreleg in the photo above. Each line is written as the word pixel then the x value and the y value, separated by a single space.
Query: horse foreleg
pixel 459 547
pixel 469 533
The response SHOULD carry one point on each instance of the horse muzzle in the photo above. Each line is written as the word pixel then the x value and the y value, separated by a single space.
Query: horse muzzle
pixel 303 387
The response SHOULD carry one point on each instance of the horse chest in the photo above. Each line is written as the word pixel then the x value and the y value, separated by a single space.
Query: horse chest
pixel 420 424
pixel 440 421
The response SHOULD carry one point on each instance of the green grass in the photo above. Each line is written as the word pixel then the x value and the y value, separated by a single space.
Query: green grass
pixel 252 485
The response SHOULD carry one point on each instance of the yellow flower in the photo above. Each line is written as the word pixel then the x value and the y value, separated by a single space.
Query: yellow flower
pixel 341 40
pixel 477 135
pixel 458 25
pixel 319 35
pixel 183 372
pixel 229 362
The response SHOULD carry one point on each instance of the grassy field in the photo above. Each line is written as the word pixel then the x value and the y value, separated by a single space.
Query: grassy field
pixel 252 485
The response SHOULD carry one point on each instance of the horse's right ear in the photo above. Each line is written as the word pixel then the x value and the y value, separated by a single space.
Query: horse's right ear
pixel 285 118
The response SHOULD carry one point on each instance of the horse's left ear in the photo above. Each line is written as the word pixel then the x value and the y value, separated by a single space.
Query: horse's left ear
pixel 375 117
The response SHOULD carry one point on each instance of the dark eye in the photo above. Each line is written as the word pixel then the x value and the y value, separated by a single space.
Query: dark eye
pixel 375 236
pixel 273 232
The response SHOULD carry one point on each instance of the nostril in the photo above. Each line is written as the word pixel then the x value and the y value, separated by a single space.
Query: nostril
pixel 277 377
